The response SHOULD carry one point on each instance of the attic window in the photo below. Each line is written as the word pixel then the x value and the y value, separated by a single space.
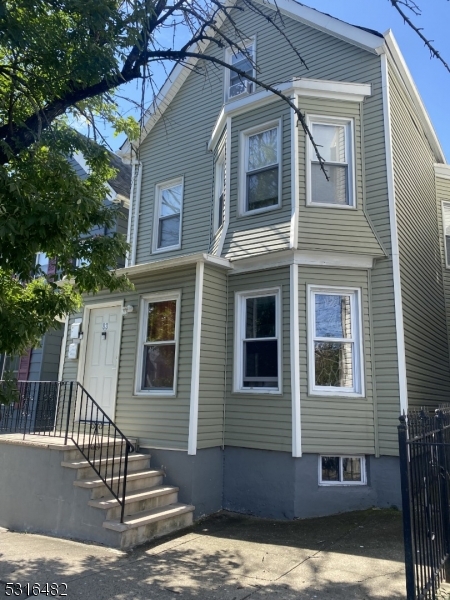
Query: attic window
pixel 235 84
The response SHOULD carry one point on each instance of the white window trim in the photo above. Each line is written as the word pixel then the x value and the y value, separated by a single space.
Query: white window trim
pixel 239 325
pixel 243 145
pixel 447 258
pixel 221 160
pixel 229 53
pixel 358 390
pixel 343 483
pixel 144 301
pixel 350 152
pixel 164 185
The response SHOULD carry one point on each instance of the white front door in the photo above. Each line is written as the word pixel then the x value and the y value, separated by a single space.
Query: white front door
pixel 102 356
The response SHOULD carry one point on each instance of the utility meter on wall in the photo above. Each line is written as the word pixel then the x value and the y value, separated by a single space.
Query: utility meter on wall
pixel 72 353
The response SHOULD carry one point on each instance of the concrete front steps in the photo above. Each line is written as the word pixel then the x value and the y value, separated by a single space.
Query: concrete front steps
pixel 151 508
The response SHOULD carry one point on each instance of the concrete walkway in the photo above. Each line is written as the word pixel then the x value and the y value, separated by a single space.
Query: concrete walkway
pixel 226 557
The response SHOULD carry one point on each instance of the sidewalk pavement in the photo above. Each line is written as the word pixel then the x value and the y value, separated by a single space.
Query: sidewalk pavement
pixel 352 556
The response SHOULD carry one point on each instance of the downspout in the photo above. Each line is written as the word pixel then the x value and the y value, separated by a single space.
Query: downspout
pixel 402 383
pixel 137 206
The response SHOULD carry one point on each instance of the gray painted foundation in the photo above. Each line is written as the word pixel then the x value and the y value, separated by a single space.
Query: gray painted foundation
pixel 199 477
pixel 38 495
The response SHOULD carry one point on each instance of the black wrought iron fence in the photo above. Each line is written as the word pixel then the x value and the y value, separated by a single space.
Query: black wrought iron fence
pixel 65 409
pixel 424 448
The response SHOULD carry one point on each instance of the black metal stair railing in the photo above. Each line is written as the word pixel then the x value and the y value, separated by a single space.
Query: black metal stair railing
pixel 66 410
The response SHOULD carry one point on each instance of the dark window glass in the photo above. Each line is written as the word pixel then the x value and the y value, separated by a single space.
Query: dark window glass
pixel 261 363
pixel 262 188
pixel 330 468
pixel 333 364
pixel 161 321
pixel 158 367
pixel 260 317
pixel 351 469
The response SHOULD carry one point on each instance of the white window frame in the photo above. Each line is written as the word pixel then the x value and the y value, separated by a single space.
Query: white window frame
pixel 447 258
pixel 218 189
pixel 229 53
pixel 362 458
pixel 239 337
pixel 243 158
pixel 350 153
pixel 160 187
pixel 358 389
pixel 145 300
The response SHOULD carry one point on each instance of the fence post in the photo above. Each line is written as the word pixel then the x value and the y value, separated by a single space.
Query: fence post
pixel 68 413
pixel 444 490
pixel 406 508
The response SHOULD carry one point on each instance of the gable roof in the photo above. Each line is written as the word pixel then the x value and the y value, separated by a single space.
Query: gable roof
pixel 364 38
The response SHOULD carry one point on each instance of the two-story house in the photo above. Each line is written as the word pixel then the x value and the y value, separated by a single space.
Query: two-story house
pixel 280 322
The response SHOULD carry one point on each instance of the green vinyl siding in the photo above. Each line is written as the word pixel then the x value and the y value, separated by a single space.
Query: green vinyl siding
pixel 267 231
pixel 156 421
pixel 258 420
pixel 212 358
pixel 443 195
pixel 336 424
pixel 330 228
pixel 424 314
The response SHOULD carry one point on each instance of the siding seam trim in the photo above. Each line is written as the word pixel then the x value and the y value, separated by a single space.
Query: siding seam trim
pixel 196 347
pixel 401 356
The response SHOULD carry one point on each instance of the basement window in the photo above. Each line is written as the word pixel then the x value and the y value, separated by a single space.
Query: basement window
pixel 342 470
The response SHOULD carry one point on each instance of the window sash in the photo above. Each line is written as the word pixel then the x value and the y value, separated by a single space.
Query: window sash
pixel 347 164
pixel 354 342
pixel 144 344
pixel 341 480
pixel 233 79
pixel 241 380
pixel 160 219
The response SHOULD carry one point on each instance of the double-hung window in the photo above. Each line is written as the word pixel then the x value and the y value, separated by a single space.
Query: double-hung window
pixel 260 180
pixel 334 139
pixel 235 84
pixel 342 470
pixel 257 341
pixel 158 345
pixel 335 346
pixel 219 195
pixel 168 211
pixel 42 261
pixel 446 223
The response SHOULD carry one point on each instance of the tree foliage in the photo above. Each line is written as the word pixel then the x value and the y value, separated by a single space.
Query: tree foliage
pixel 67 58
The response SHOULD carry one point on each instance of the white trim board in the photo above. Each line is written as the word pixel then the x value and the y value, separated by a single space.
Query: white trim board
pixel 297 87
pixel 303 257
pixel 173 263
pixel 196 347
pixel 295 364
pixel 442 171
pixel 403 390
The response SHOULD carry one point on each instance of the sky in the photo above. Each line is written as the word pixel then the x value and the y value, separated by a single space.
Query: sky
pixel 430 76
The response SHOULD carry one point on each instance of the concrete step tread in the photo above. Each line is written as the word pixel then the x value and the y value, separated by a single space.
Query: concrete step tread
pixel 80 464
pixel 135 496
pixel 92 483
pixel 148 516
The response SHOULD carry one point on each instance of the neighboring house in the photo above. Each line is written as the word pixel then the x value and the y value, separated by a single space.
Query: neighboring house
pixel 279 323
pixel 42 363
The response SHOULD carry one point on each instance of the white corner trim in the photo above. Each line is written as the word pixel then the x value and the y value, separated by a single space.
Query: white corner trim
pixel 403 390
pixel 295 364
pixel 130 212
pixel 62 354
pixel 295 192
pixel 413 92
pixel 442 171
pixel 299 86
pixel 226 222
pixel 196 346
pixel 135 218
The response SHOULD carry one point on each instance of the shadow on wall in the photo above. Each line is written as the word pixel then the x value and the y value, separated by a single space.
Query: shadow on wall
pixel 356 556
